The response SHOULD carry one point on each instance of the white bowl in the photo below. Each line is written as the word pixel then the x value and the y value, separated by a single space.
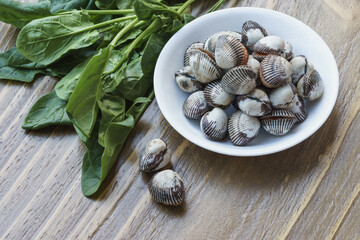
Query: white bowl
pixel 304 41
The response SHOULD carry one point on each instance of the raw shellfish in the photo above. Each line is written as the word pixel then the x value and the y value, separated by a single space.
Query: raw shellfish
pixel 210 43
pixel 254 32
pixel 167 187
pixel 298 108
pixel 239 80
pixel 310 86
pixel 275 71
pixel 300 66
pixel 195 105
pixel 230 52
pixel 278 122
pixel 214 124
pixel 287 53
pixel 255 104
pixel 204 66
pixel 187 81
pixel 194 46
pixel 282 97
pixel 216 96
pixel 268 45
pixel 155 157
pixel 243 128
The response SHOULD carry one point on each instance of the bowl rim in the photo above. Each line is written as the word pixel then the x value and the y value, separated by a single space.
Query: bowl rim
pixel 202 144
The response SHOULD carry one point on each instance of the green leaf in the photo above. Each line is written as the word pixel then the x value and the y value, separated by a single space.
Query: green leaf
pixel 125 4
pixel 14 73
pixel 188 18
pixel 57 5
pixel 111 107
pixel 48 110
pixel 138 107
pixel 20 14
pixel 82 107
pixel 48 39
pixel 65 87
pixel 105 4
pixel 96 168
pixel 16 59
pixel 145 9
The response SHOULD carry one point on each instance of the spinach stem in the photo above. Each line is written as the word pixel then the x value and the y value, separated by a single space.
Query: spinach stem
pixel 106 29
pixel 103 24
pixel 185 6
pixel 122 32
pixel 216 6
pixel 151 96
pixel 100 12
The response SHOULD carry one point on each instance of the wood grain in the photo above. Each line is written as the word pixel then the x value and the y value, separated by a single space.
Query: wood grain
pixel 310 191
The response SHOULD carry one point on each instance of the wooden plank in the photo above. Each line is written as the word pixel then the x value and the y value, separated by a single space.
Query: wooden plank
pixel 310 191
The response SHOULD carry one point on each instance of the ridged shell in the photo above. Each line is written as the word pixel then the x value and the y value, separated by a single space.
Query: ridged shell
pixel 204 66
pixel 268 45
pixel 275 71
pixel 298 108
pixel 255 104
pixel 278 122
pixel 243 128
pixel 282 97
pixel 195 105
pixel 310 86
pixel 254 32
pixel 214 124
pixel 187 81
pixel 230 52
pixel 210 43
pixel 300 66
pixel 239 80
pixel 216 96
pixel 253 64
pixel 194 46
pixel 155 157
pixel 287 53
pixel 167 187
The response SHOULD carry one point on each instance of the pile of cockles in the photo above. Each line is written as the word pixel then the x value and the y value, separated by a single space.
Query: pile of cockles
pixel 254 72
pixel 165 186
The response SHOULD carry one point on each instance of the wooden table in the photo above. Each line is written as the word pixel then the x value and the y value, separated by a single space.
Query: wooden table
pixel 310 191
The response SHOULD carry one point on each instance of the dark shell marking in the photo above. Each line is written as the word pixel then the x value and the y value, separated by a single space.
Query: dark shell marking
pixel 156 156
pixel 278 122
pixel 188 83
pixel 230 52
pixel 216 96
pixel 203 64
pixel 299 108
pixel 243 128
pixel 310 86
pixel 239 80
pixel 214 124
pixel 195 105
pixel 194 46
pixel 275 71
pixel 253 25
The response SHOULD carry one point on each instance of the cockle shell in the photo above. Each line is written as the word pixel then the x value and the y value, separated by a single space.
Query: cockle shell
pixel 214 124
pixel 310 86
pixel 194 46
pixel 287 53
pixel 187 81
pixel 167 187
pixel 216 96
pixel 210 43
pixel 204 66
pixel 298 108
pixel 300 66
pixel 278 122
pixel 256 103
pixel 230 52
pixel 253 64
pixel 195 105
pixel 243 128
pixel 155 157
pixel 268 45
pixel 275 71
pixel 282 97
pixel 254 32
pixel 239 80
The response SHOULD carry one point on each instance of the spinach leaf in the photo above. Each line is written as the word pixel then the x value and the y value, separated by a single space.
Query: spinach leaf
pixel 145 9
pixel 16 59
pixel 95 169
pixel 133 83
pixel 65 87
pixel 105 4
pixel 125 4
pixel 48 39
pixel 20 14
pixel 14 73
pixel 57 5
pixel 188 18
pixel 111 107
pixel 82 107
pixel 139 106
pixel 48 110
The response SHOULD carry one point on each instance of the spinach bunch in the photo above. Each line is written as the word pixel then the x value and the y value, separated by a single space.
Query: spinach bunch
pixel 105 53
